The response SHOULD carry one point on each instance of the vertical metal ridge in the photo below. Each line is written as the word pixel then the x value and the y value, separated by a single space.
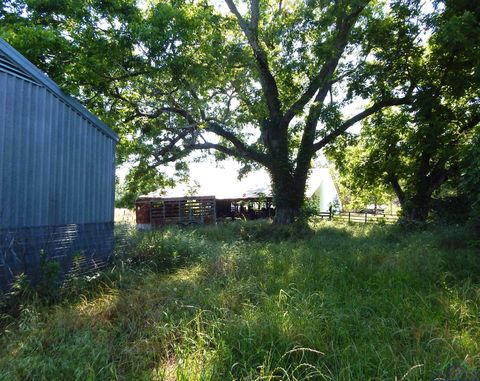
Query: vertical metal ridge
pixel 3 102
pixel 55 167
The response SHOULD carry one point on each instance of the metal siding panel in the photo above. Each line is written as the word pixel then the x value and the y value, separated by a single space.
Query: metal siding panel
pixel 69 160
pixel 19 152
pixel 42 192
pixel 86 183
pixel 29 159
pixel 103 177
pixel 41 78
pixel 67 190
pixel 82 173
pixel 96 187
pixel 106 181
pixel 22 154
pixel 101 189
pixel 51 156
pixel 111 173
pixel 94 190
pixel 55 193
pixel 3 116
pixel 64 172
pixel 61 243
pixel 66 164
pixel 72 169
pixel 79 125
pixel 8 152
pixel 49 122
pixel 36 126
pixel 55 166
pixel 89 182
pixel 10 158
pixel 18 143
pixel 62 161
pixel 105 191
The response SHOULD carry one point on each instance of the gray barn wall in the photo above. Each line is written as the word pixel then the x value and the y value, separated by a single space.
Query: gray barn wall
pixel 56 168
pixel 56 182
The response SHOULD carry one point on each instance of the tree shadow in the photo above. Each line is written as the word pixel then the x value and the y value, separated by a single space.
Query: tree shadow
pixel 343 302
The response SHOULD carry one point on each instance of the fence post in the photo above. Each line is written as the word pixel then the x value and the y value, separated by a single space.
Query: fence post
pixel 349 217
pixel 365 217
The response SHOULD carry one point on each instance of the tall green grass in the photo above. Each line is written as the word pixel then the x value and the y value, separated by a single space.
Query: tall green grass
pixel 245 301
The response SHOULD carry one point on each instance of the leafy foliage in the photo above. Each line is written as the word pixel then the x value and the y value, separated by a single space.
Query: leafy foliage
pixel 470 181
pixel 176 76
pixel 417 149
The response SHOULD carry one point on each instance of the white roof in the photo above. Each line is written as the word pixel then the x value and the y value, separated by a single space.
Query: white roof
pixel 223 183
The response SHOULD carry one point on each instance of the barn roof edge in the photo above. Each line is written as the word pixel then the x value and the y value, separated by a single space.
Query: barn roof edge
pixel 43 79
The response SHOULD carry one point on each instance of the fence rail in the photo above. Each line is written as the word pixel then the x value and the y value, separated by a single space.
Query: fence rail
pixel 356 217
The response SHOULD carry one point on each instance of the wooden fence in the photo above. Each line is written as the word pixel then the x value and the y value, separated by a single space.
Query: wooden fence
pixel 356 217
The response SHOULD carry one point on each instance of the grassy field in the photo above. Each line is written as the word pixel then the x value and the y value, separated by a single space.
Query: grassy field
pixel 245 302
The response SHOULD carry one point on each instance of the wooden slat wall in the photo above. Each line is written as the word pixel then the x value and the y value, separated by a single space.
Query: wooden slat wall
pixel 183 211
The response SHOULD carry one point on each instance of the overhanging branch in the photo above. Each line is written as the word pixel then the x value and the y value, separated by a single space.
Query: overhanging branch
pixel 267 80
pixel 218 147
pixel 357 118
pixel 321 83
pixel 244 150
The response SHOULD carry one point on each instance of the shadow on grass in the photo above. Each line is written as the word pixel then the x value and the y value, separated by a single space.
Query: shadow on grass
pixel 235 302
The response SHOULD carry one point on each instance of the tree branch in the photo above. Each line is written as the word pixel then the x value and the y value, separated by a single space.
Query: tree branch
pixel 322 79
pixel 397 189
pixel 267 80
pixel 470 124
pixel 218 147
pixel 164 110
pixel 161 153
pixel 255 14
pixel 244 150
pixel 360 116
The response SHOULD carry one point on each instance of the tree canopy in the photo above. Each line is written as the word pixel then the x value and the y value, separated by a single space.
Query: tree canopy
pixel 418 150
pixel 268 82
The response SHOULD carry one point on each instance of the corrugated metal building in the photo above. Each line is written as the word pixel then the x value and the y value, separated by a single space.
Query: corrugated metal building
pixel 57 174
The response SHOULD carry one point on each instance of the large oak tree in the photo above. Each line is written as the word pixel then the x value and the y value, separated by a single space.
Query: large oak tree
pixel 267 82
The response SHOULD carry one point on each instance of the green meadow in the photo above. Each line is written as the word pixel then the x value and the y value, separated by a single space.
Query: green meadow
pixel 247 301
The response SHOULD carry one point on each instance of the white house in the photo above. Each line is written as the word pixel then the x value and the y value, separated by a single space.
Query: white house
pixel 322 187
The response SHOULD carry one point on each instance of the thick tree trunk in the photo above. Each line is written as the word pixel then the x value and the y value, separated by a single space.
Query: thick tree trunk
pixel 288 182
pixel 415 206
pixel 288 197
pixel 418 214
pixel 285 215
pixel 418 207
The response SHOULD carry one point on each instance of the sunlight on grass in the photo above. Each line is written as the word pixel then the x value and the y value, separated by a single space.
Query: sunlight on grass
pixel 239 302
pixel 97 311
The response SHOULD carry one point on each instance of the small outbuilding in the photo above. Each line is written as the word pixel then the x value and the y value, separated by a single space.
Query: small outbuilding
pixel 57 175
